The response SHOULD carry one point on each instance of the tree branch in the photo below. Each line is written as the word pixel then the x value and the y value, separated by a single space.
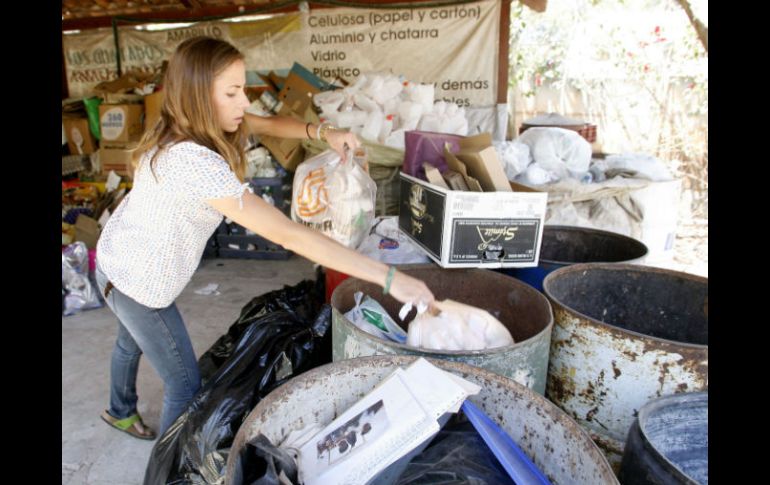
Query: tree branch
pixel 700 29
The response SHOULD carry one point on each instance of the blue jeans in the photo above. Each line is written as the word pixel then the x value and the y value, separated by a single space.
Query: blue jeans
pixel 160 334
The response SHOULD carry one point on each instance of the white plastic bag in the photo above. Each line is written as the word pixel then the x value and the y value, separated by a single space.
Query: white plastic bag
pixel 515 157
pixel 642 164
pixel 81 292
pixel 535 174
pixel 562 152
pixel 457 327
pixel 387 244
pixel 333 197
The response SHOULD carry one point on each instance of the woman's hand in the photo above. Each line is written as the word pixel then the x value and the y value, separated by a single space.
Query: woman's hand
pixel 405 289
pixel 338 139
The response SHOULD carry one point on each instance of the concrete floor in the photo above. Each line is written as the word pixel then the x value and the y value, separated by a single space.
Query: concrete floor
pixel 92 452
pixel 95 454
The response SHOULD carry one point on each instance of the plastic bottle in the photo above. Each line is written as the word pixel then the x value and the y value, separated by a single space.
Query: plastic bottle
pixel 587 178
pixel 597 172
pixel 387 127
pixel 347 119
pixel 391 88
pixel 372 126
pixel 267 196
pixel 365 103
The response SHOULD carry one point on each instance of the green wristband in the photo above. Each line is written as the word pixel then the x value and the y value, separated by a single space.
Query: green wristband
pixel 388 280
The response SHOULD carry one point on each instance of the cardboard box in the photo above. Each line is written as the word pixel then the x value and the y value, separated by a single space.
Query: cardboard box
pixel 122 98
pixel 297 92
pixel 296 100
pixel 118 160
pixel 473 229
pixel 120 124
pixel 79 138
pixel 152 103
pixel 87 230
pixel 289 152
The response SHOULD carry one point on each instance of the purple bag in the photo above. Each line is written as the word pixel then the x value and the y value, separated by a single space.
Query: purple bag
pixel 427 147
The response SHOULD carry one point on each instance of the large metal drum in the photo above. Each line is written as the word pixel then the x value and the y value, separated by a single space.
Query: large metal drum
pixel 566 245
pixel 523 310
pixel 554 442
pixel 623 335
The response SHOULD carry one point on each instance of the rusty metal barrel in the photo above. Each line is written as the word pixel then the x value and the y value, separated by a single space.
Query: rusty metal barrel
pixel 557 445
pixel 623 335
pixel 566 245
pixel 524 311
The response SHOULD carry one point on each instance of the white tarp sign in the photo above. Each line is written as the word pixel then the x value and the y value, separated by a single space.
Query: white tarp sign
pixel 89 57
pixel 455 47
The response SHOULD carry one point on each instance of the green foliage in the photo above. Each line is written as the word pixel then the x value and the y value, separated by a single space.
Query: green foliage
pixel 637 67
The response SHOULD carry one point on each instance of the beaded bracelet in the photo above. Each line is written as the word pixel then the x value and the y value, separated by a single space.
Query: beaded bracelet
pixel 307 131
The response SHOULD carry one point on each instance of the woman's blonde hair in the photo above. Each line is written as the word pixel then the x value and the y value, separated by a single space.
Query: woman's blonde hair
pixel 187 111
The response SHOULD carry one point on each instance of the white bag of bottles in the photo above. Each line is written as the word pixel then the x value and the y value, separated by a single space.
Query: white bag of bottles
pixel 333 197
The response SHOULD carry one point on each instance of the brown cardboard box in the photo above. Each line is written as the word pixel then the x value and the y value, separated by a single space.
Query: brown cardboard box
pixel 79 138
pixel 152 104
pixel 87 230
pixel 491 223
pixel 272 81
pixel 459 168
pixel 122 98
pixel 483 164
pixel 289 152
pixel 296 98
pixel 120 124
pixel 298 90
pixel 117 159
pixel 434 176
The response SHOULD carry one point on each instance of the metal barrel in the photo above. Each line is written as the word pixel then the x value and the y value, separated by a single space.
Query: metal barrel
pixel 557 445
pixel 624 334
pixel 668 443
pixel 524 311
pixel 566 245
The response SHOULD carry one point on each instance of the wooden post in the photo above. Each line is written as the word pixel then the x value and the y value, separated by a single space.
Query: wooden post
pixel 502 68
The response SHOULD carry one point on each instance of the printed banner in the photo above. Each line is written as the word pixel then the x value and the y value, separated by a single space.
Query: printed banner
pixel 455 47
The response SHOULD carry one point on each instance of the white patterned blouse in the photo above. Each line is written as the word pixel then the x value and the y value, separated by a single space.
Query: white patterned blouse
pixel 152 244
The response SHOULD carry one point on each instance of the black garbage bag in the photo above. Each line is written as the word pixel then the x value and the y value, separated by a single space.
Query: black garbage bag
pixel 262 463
pixel 278 336
pixel 457 455
pixel 304 299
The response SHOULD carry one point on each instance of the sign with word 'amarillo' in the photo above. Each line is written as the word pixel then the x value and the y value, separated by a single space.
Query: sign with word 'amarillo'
pixel 455 47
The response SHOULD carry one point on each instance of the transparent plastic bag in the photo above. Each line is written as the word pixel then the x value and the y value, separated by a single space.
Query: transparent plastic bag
pixel 372 318
pixel 81 292
pixel 562 152
pixel 387 244
pixel 333 197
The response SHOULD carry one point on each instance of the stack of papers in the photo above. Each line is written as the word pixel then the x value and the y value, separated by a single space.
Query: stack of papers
pixel 396 417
